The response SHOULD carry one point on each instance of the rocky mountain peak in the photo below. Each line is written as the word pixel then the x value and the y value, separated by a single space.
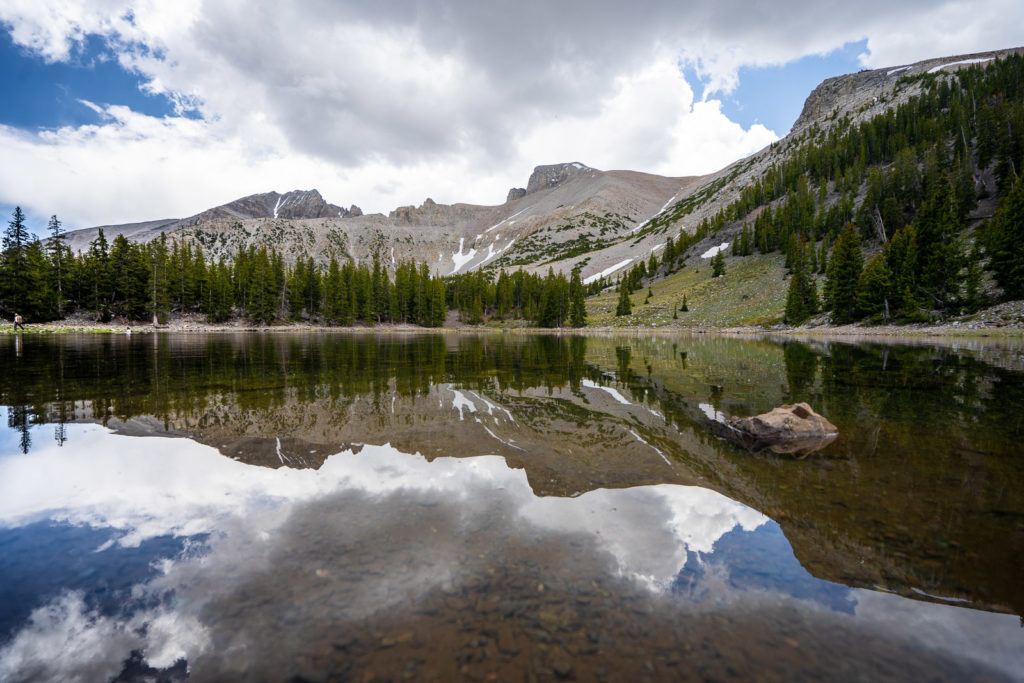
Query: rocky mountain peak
pixel 546 177
pixel 296 204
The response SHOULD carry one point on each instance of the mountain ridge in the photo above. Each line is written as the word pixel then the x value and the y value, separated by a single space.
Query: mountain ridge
pixel 568 216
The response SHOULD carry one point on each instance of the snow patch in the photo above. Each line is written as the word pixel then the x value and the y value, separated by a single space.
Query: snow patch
pixel 613 392
pixel 498 438
pixel 713 251
pixel 712 414
pixel 940 67
pixel 460 401
pixel 460 259
pixel 607 271
pixel 896 70
pixel 278 205
pixel 503 220
pixel 656 449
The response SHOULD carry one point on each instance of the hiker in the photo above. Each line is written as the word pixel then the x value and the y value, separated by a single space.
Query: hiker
pixel 19 322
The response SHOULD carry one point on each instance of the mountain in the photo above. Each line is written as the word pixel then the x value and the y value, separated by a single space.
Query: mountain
pixel 569 215
pixel 565 209
pixel 297 204
pixel 294 204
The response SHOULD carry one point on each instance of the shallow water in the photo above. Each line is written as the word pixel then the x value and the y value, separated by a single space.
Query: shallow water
pixel 505 507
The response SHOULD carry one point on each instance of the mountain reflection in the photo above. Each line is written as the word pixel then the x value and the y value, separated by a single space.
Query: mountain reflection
pixel 380 535
pixel 365 496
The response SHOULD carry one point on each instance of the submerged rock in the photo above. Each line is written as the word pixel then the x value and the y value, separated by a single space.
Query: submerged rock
pixel 795 429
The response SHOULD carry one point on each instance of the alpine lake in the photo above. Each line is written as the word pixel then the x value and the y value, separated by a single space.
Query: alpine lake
pixel 504 506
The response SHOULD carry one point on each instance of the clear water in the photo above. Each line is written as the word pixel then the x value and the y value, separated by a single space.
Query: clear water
pixel 310 507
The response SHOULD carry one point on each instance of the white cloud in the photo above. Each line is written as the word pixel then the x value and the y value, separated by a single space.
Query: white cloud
pixel 387 103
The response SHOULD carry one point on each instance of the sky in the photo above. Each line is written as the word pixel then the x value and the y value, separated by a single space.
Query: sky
pixel 126 110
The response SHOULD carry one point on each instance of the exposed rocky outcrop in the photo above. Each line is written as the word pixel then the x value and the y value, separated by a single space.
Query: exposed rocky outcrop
pixel 515 193
pixel 547 177
pixel 294 205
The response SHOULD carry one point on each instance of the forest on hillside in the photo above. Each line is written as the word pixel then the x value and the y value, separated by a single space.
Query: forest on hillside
pixel 45 280
pixel 886 210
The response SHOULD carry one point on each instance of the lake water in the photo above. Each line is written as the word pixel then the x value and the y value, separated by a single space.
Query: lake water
pixel 505 507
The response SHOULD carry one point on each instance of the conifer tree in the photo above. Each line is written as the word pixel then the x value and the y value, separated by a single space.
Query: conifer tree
pixel 1007 242
pixel 974 296
pixel 577 306
pixel 718 265
pixel 159 299
pixel 843 276
pixel 802 298
pixel 58 252
pixel 873 288
pixel 12 268
pixel 625 306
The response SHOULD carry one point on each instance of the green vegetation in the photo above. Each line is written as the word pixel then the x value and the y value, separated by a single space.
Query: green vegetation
pixel 718 265
pixel 905 182
pixel 748 295
pixel 549 301
pixel 149 281
pixel 802 298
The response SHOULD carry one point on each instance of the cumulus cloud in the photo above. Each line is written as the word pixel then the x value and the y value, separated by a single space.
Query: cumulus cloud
pixel 387 103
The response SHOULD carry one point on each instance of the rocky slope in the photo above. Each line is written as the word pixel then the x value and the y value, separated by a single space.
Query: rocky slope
pixel 566 209
pixel 297 204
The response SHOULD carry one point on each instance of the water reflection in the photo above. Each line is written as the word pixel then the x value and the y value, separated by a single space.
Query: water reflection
pixel 591 525
pixel 378 539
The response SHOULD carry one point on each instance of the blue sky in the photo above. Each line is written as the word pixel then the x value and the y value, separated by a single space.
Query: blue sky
pixel 774 95
pixel 41 95
pixel 381 106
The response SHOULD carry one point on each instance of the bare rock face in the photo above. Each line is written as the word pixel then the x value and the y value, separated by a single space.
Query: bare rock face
pixel 515 193
pixel 786 429
pixel 546 177
pixel 354 211
pixel 297 204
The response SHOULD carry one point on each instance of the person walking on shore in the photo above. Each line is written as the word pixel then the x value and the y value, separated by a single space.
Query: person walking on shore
pixel 19 322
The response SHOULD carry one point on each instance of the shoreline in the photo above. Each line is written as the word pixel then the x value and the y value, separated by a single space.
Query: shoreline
pixel 918 331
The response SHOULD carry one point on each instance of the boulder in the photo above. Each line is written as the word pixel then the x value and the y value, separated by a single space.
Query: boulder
pixel 795 429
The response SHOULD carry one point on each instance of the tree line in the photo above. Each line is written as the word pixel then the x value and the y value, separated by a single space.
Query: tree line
pixel 132 281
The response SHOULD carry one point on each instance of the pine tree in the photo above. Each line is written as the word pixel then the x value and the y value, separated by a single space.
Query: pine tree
pixel 802 298
pixel 718 265
pixel 974 295
pixel 843 276
pixel 577 306
pixel 1007 242
pixel 41 299
pixel 159 294
pixel 12 268
pixel 625 306
pixel 685 307
pixel 58 251
pixel 874 287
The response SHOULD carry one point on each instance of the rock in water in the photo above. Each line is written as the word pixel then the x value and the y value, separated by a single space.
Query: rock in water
pixel 786 429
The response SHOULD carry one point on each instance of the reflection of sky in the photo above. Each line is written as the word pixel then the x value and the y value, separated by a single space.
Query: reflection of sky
pixel 122 509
